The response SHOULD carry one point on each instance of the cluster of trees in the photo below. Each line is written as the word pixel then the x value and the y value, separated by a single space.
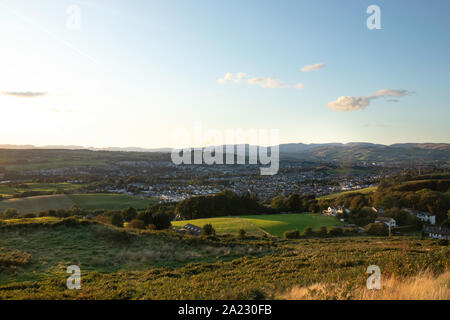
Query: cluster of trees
pixel 156 217
pixel 222 204
pixel 392 195
pixel 322 232
pixel 12 213
pixel 295 203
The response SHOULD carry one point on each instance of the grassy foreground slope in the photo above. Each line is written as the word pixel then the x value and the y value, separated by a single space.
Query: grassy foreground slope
pixel 41 248
pixel 275 224
pixel 118 264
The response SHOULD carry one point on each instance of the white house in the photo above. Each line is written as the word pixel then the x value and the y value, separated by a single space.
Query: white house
pixel 333 211
pixel 422 216
pixel 436 232
pixel 390 222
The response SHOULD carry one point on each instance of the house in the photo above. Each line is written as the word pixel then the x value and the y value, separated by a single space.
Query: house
pixel 422 216
pixel 334 211
pixel 193 230
pixel 436 232
pixel 378 210
pixel 390 222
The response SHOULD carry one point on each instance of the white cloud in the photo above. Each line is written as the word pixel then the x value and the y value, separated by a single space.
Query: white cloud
pixel 313 67
pixel 263 82
pixel 349 103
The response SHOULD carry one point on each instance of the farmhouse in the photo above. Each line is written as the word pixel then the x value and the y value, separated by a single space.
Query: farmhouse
pixel 334 211
pixel 436 232
pixel 390 222
pixel 422 216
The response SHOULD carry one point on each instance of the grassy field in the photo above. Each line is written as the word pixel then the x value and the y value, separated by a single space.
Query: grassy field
pixel 274 224
pixel 335 195
pixel 121 264
pixel 8 191
pixel 37 204
pixel 110 201
pixel 85 201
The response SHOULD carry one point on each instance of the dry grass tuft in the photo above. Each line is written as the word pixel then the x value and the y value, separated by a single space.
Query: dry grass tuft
pixel 424 286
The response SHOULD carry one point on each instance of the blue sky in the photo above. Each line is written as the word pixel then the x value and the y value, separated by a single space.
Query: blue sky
pixel 135 71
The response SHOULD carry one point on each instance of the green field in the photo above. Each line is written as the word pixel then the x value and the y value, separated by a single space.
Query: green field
pixel 110 201
pixel 84 201
pixel 37 204
pixel 335 195
pixel 274 224
pixel 8 191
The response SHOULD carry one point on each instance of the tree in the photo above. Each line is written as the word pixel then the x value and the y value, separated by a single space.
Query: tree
pixel 335 232
pixel 161 221
pixel 208 230
pixel 308 232
pixel 377 229
pixel 129 214
pixel 10 213
pixel 117 220
pixel 294 203
pixel 322 232
pixel 293 234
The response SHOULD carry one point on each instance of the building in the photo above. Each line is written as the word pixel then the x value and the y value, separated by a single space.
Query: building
pixel 390 222
pixel 378 210
pixel 193 230
pixel 436 232
pixel 334 211
pixel 422 216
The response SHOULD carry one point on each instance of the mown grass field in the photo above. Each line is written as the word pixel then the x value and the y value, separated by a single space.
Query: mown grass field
pixel 274 224
pixel 335 195
pixel 85 201
pixel 121 264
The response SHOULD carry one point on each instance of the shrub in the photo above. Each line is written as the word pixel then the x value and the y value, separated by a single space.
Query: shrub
pixel 335 232
pixel 322 232
pixel 293 234
pixel 116 220
pixel 377 229
pixel 208 230
pixel 29 215
pixel 136 224
pixel 10 214
pixel 161 221
pixel 242 233
pixel 308 232
pixel 443 242
pixel 129 214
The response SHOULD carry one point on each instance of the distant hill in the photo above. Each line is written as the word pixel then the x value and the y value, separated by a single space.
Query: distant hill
pixel 416 153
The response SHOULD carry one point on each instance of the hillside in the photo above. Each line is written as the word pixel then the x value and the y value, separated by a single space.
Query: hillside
pixel 119 264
